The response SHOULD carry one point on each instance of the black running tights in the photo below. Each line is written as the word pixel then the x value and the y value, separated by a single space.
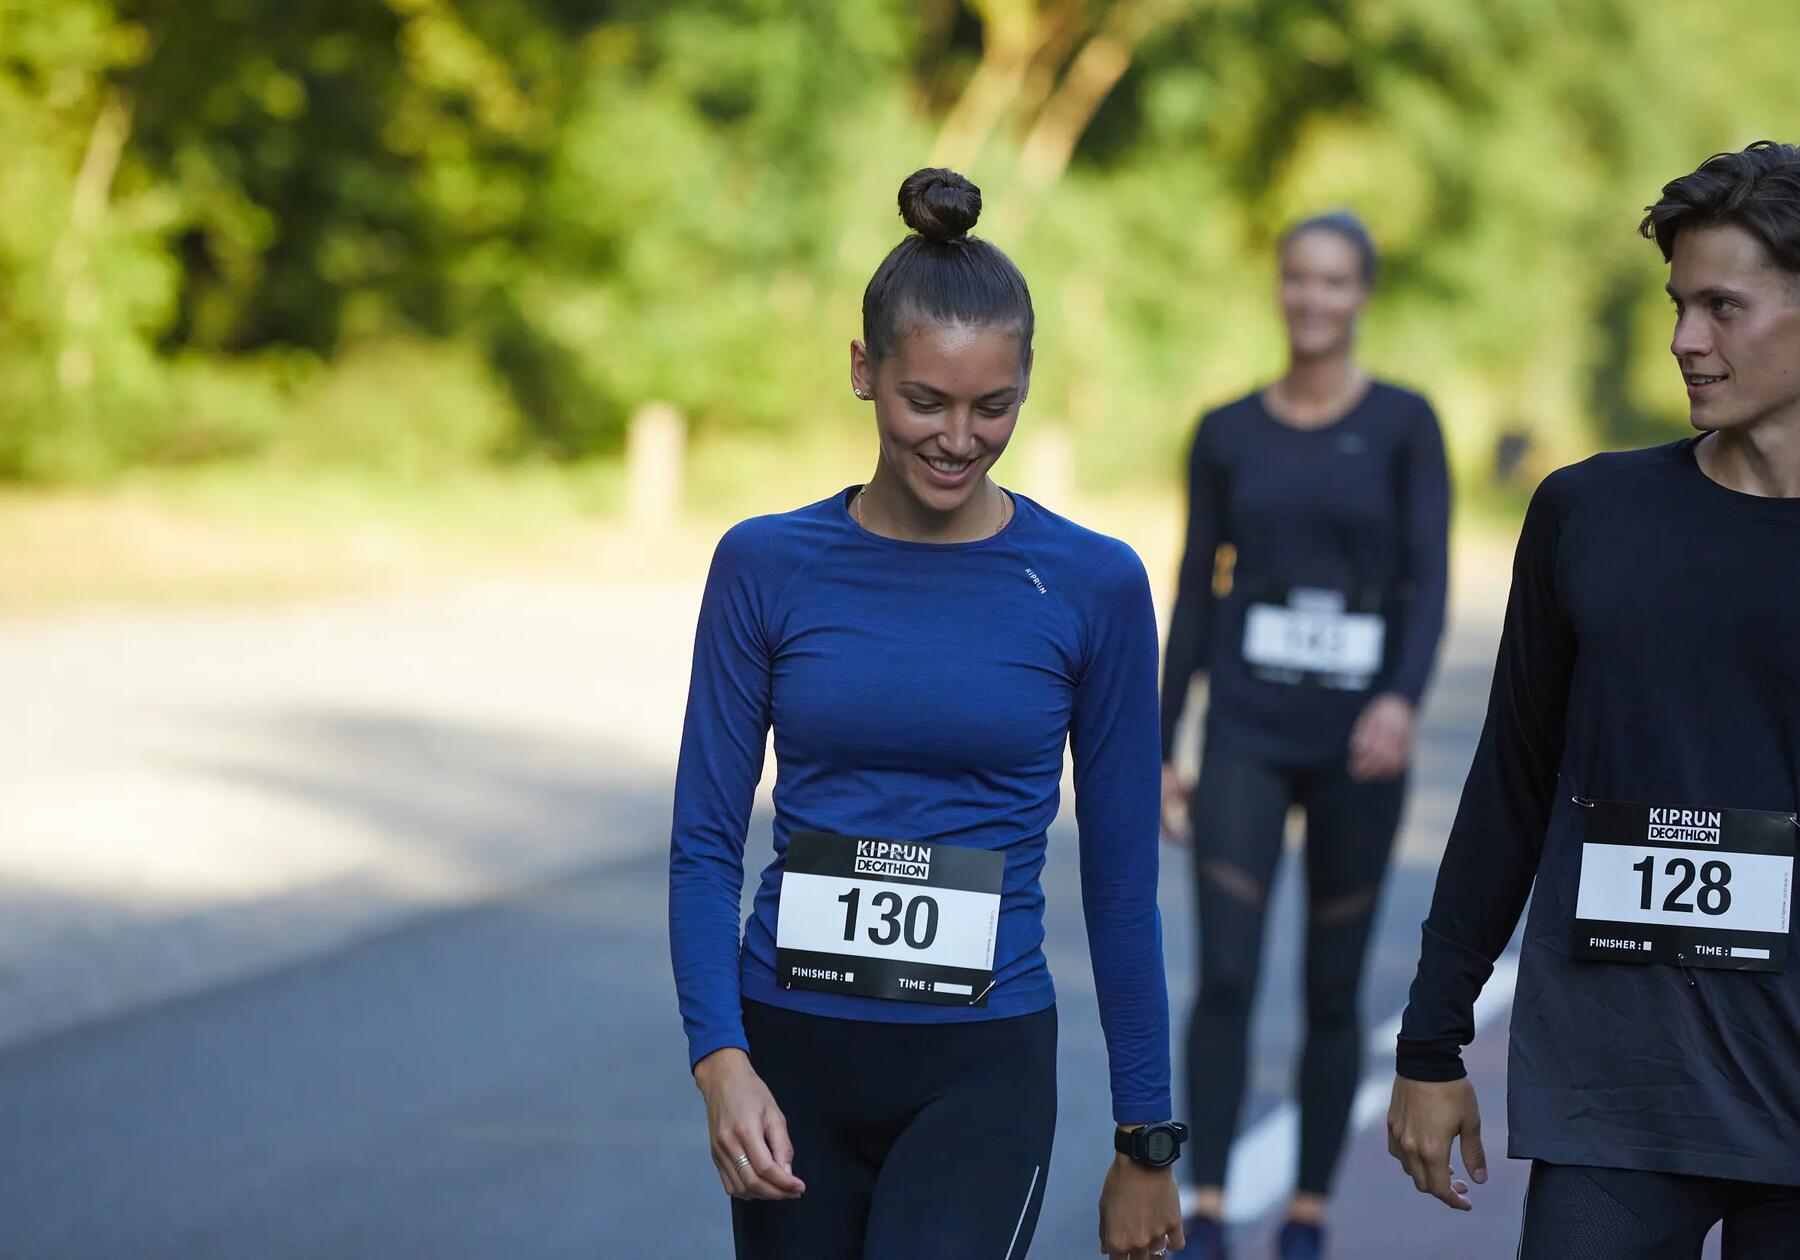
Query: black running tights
pixel 1616 1214
pixel 913 1140
pixel 1239 811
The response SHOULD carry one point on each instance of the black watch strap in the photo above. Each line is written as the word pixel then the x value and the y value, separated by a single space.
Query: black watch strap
pixel 1152 1145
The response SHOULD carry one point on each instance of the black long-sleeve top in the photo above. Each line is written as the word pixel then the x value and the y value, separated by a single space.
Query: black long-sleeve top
pixel 1651 653
pixel 1360 507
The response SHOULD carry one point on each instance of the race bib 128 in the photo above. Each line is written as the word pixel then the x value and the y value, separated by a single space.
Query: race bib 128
pixel 1691 887
pixel 889 919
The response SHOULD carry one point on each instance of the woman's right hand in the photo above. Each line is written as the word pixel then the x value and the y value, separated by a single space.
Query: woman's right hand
pixel 743 1120
pixel 1176 827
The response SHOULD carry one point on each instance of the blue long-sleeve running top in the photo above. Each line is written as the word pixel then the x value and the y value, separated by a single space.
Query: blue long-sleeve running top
pixel 1650 657
pixel 926 693
pixel 1358 509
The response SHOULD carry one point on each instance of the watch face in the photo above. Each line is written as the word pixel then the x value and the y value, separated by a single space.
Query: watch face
pixel 1159 1147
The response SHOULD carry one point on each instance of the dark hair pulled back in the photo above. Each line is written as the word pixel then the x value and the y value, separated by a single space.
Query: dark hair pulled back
pixel 1345 224
pixel 1757 188
pixel 939 272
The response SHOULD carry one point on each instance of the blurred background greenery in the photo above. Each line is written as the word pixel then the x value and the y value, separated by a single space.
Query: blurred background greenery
pixel 260 253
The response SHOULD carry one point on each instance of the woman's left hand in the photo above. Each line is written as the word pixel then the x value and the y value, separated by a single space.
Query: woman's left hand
pixel 1140 1211
pixel 1381 742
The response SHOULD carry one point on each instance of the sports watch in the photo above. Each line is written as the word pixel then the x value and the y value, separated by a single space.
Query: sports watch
pixel 1152 1145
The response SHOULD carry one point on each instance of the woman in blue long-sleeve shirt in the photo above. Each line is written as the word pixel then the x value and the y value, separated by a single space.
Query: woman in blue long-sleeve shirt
pixel 878 1053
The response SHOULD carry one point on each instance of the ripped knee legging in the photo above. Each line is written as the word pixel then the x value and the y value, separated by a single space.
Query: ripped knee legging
pixel 1239 812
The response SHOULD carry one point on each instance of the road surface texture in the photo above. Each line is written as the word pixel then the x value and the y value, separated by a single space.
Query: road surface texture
pixel 338 931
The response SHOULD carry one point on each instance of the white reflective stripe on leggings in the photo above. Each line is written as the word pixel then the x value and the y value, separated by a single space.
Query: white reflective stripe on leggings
pixel 1029 1191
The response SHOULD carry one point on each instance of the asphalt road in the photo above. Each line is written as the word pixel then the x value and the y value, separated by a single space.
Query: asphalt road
pixel 510 1080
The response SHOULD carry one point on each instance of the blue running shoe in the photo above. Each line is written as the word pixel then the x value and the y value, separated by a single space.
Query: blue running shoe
pixel 1300 1241
pixel 1205 1239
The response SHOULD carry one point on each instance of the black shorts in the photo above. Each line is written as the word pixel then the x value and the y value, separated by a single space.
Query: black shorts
pixel 913 1139
pixel 1619 1214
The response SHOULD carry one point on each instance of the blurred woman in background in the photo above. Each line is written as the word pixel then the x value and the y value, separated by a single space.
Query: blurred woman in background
pixel 1317 635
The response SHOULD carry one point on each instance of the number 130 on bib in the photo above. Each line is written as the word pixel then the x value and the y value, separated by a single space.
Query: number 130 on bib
pixel 911 922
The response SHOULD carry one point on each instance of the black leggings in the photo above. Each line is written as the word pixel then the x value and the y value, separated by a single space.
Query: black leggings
pixel 913 1139
pixel 1616 1214
pixel 1239 813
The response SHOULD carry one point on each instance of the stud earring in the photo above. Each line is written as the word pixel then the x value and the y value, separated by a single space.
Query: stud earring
pixel 860 394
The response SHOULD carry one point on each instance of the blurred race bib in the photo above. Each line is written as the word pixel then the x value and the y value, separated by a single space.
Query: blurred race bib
pixel 1312 638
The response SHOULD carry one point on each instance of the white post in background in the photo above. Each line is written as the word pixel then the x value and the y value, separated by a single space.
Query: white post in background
pixel 655 450
pixel 1050 466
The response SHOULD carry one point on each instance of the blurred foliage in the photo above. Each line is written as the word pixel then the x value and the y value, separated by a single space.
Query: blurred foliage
pixel 412 234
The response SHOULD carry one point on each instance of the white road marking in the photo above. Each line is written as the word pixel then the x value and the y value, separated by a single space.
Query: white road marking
pixel 1263 1161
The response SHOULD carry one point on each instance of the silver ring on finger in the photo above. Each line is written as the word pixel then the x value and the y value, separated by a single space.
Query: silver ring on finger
pixel 742 1161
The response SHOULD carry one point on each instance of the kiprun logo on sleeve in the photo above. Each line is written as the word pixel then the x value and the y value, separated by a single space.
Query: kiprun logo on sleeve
pixel 893 859
pixel 1037 581
pixel 1684 826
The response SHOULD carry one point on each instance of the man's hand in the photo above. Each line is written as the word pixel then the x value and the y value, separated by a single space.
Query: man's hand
pixel 1423 1118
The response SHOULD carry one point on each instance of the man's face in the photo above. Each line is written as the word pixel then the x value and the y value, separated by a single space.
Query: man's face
pixel 1737 329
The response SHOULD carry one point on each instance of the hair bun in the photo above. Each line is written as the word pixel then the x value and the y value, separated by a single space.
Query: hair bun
pixel 939 204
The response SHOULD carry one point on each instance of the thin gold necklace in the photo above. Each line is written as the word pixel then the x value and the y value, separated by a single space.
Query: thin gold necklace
pixel 1005 510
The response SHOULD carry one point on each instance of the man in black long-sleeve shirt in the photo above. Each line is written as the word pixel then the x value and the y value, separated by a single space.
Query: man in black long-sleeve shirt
pixel 1638 778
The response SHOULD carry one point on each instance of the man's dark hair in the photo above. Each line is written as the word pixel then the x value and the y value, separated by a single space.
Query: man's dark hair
pixel 1757 189
pixel 940 272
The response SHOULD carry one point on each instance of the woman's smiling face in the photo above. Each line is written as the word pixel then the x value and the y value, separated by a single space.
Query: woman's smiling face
pixel 947 398
pixel 1322 292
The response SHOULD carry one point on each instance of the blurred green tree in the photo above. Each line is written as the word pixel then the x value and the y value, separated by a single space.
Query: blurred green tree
pixel 245 228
